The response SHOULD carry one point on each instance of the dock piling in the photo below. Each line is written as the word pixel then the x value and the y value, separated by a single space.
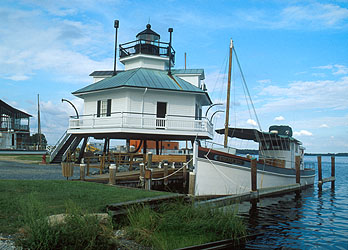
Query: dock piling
pixel 333 171
pixel 320 176
pixel 148 179
pixel 253 175
pixel 149 160
pixel 165 173
pixel 112 174
pixel 192 183
pixel 298 170
pixel 82 171
pixel 331 179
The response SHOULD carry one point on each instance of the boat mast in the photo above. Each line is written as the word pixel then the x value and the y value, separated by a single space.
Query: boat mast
pixel 38 123
pixel 228 95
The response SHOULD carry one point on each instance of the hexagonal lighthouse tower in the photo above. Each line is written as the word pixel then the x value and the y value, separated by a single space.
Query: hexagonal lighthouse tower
pixel 148 100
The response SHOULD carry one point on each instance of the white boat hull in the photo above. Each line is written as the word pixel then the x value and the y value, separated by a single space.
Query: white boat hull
pixel 220 178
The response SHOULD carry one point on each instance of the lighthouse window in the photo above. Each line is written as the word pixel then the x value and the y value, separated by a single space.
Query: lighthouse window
pixel 104 108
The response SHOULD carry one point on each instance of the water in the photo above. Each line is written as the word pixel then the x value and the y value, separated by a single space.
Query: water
pixel 312 219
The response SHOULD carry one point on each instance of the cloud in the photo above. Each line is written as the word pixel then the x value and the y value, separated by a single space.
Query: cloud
pixel 324 126
pixel 336 69
pixel 279 118
pixel 265 81
pixel 323 67
pixel 306 95
pixel 340 70
pixel 251 122
pixel 17 77
pixel 300 16
pixel 314 15
pixel 303 133
pixel 68 49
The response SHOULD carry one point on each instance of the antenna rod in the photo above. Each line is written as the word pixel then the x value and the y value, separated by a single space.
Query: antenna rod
pixel 185 60
pixel 116 25
pixel 228 95
pixel 170 30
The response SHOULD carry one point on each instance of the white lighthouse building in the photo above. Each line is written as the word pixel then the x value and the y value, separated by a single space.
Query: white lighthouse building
pixel 148 100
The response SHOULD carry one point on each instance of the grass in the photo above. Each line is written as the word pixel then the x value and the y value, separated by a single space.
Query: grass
pixel 28 158
pixel 178 225
pixel 79 230
pixel 54 194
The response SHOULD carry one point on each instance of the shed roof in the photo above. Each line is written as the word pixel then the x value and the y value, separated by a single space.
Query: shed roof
pixel 11 111
pixel 143 78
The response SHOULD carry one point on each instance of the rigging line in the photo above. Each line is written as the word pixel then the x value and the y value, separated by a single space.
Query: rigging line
pixel 257 119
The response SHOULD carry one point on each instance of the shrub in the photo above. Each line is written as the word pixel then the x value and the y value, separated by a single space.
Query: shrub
pixel 78 230
pixel 178 225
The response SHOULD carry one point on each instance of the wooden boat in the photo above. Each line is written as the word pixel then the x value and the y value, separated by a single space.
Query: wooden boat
pixel 221 172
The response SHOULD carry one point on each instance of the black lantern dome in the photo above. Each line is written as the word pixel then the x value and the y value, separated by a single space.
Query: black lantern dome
pixel 148 34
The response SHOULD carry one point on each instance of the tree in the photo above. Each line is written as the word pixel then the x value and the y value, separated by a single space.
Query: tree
pixel 34 139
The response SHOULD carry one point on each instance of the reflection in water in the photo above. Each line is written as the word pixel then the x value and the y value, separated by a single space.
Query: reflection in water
pixel 310 219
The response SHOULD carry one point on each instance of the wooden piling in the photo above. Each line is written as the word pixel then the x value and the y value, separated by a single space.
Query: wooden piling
pixel 112 174
pixel 142 174
pixel 165 173
pixel 320 176
pixel 192 183
pixel 149 160
pixel 333 170
pixel 184 173
pixel 253 175
pixel 82 171
pixel 298 170
pixel 148 179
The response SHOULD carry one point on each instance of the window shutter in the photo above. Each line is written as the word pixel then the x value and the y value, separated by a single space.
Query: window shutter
pixel 98 108
pixel 108 108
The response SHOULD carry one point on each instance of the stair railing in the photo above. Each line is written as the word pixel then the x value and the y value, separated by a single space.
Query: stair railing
pixel 58 145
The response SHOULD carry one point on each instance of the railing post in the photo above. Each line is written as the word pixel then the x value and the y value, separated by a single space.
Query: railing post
pixel 253 175
pixel 332 170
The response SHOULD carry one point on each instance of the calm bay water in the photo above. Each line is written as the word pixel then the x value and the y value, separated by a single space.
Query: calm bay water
pixel 312 219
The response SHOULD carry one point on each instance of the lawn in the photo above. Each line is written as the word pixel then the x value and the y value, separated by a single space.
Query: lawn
pixel 92 197
pixel 26 158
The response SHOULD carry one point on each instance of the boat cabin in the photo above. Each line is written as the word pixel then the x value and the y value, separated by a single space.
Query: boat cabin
pixel 276 147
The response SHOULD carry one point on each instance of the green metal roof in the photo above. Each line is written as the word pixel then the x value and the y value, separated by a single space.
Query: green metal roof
pixel 189 71
pixel 143 78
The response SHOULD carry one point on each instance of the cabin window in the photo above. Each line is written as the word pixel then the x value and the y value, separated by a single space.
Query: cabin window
pixel 275 145
pixel 104 108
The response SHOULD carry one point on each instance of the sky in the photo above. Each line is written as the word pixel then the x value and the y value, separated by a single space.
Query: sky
pixel 293 54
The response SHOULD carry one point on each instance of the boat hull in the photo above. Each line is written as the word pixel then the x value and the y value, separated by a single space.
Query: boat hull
pixel 224 174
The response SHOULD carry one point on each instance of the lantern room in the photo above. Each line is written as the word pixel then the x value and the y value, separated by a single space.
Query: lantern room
pixel 147 51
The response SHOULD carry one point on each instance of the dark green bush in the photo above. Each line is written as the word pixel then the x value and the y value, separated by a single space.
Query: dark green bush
pixel 78 230
pixel 179 225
